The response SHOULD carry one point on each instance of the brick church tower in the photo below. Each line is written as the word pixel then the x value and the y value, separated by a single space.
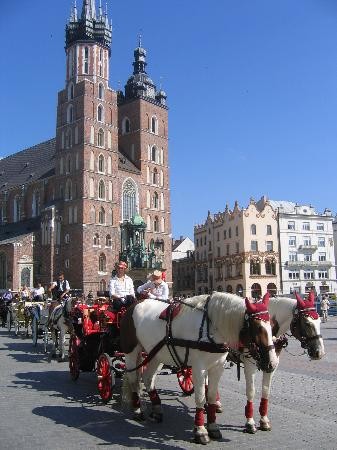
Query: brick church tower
pixel 105 195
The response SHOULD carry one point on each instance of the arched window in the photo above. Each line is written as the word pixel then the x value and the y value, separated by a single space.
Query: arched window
pixel 68 138
pixel 129 200
pixel 100 91
pixel 271 288
pixel 102 263
pixel 86 60
pixel 70 91
pixel 155 176
pixel 154 125
pixel 102 285
pixel 68 165
pixel 156 200
pixel 270 267
pixel 70 114
pixel 256 290
pixel 36 204
pixel 108 241
pixel 154 154
pixel 16 209
pixel 100 138
pixel 255 267
pixel 68 193
pixel 101 163
pixel 126 127
pixel 101 216
pixel 156 224
pixel 101 190
pixel 100 113
pixel 253 229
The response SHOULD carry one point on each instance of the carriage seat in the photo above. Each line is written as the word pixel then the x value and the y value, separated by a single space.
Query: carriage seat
pixel 170 312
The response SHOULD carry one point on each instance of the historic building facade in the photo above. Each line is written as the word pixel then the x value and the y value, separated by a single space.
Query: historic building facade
pixel 183 267
pixel 99 190
pixel 307 255
pixel 237 251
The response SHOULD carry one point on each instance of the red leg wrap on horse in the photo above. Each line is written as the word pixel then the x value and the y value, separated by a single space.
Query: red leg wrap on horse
pixel 154 397
pixel 211 413
pixel 263 410
pixel 199 417
pixel 249 410
pixel 135 400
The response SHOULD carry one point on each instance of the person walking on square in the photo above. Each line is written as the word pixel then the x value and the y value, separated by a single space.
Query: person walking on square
pixel 121 289
pixel 155 288
pixel 324 308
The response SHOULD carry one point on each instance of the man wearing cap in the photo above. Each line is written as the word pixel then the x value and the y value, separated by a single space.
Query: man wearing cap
pixel 121 288
pixel 156 287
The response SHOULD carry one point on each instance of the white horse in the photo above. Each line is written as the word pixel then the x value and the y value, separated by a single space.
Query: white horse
pixel 286 314
pixel 196 339
pixel 59 324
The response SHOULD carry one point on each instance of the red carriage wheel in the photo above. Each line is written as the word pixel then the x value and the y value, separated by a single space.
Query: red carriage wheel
pixel 74 359
pixel 185 380
pixel 105 377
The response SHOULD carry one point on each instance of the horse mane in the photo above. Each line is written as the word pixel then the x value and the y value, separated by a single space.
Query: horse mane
pixel 226 312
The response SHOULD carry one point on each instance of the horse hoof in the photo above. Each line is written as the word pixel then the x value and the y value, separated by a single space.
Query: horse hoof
pixel 202 439
pixel 265 426
pixel 250 428
pixel 139 416
pixel 215 435
pixel 156 417
pixel 219 409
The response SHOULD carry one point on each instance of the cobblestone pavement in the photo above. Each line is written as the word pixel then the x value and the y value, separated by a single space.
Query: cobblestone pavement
pixel 42 408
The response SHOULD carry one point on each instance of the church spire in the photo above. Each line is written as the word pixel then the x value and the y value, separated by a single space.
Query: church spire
pixel 89 10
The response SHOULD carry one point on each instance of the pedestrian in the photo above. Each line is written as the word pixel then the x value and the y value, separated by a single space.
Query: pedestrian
pixel 121 289
pixel 155 288
pixel 38 292
pixel 324 308
pixel 8 296
pixel 59 289
pixel 25 293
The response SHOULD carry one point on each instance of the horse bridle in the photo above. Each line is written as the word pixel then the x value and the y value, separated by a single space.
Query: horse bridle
pixel 255 351
pixel 296 326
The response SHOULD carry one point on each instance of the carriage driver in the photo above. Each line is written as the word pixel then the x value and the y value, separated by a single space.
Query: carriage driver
pixel 156 287
pixel 60 288
pixel 121 290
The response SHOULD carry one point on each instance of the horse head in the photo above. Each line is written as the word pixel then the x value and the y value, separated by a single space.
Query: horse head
pixel 306 325
pixel 257 334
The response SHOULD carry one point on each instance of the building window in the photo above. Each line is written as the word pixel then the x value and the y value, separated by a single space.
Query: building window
pixel 126 126
pixel 308 275
pixel 306 241
pixel 294 275
pixel 67 238
pixel 269 246
pixel 292 256
pixel 100 91
pixel 100 138
pixel 253 246
pixel 229 233
pixel 70 114
pixel 101 216
pixel 154 154
pixel 68 195
pixel 253 229
pixel 86 60
pixel 156 200
pixel 227 249
pixel 155 176
pixel 269 232
pixel 108 241
pixel 225 234
pixel 17 209
pixel 321 256
pixel 156 224
pixel 36 204
pixel 209 246
pixel 321 242
pixel 96 240
pixel 291 225
pixel 101 163
pixel 218 250
pixel 67 263
pixel 129 200
pixel 102 263
pixel 307 258
pixel 101 190
pixel 323 274
pixel 270 267
pixel 154 125
pixel 236 231
pixel 306 226
pixel 255 267
pixel 68 138
pixel 237 247
pixel 292 241
pixel 320 226
pixel 100 113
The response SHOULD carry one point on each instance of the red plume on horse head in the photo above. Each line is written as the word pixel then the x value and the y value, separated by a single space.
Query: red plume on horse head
pixel 253 308
pixel 303 304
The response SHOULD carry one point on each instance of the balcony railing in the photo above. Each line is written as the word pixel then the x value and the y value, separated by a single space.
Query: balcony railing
pixel 308 263
pixel 309 248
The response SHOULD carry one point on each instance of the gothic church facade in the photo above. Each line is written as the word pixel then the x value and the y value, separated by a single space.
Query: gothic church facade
pixel 64 202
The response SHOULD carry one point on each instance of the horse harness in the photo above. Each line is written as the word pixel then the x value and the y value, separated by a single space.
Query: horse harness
pixel 211 346
pixel 296 326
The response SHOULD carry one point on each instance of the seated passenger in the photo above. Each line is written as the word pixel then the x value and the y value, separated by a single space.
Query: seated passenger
pixel 121 290
pixel 155 288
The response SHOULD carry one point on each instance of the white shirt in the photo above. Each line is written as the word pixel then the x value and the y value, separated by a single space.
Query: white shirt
pixel 159 291
pixel 38 291
pixel 121 286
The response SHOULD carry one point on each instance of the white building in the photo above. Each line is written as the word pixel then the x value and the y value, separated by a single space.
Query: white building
pixel 307 253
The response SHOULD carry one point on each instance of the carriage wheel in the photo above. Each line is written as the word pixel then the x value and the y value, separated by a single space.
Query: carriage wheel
pixel 74 358
pixel 9 321
pixel 35 330
pixel 105 377
pixel 185 380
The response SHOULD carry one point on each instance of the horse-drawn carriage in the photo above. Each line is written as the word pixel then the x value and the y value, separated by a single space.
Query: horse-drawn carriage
pixel 39 323
pixel 95 346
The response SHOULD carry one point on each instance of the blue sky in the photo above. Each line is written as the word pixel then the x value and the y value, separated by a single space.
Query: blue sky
pixel 251 84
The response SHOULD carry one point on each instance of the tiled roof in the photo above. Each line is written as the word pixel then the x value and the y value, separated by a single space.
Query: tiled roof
pixel 125 164
pixel 32 164
pixel 10 231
